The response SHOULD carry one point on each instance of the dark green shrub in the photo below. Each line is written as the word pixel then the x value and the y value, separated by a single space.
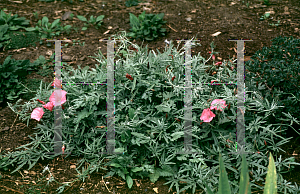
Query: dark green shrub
pixel 147 26
pixel 11 73
pixel 10 23
pixel 22 39
pixel 278 68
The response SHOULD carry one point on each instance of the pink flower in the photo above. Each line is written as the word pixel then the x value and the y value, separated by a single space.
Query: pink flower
pixel 37 113
pixel 218 104
pixel 207 115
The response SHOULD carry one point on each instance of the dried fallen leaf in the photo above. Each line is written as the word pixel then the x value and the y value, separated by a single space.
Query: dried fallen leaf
pixel 73 166
pixel 216 34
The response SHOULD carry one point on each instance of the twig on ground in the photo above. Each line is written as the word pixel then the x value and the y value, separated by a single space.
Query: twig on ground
pixel 172 28
pixel 105 184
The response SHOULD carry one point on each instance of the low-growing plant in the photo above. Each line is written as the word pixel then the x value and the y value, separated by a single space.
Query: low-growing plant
pixel 276 24
pixel 13 22
pixel 266 2
pixel 22 39
pixel 265 16
pixel 93 21
pixel 12 72
pixel 47 30
pixel 149 121
pixel 147 26
pixel 4 36
pixel 36 15
pixel 278 69
pixel 10 23
pixel 76 42
pixel 130 3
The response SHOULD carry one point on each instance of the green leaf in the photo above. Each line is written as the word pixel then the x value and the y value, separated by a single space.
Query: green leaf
pixel 271 180
pixel 129 181
pixel 92 18
pixel 82 18
pixel 208 189
pixel 116 165
pixel 136 169
pixel 134 84
pixel 154 177
pixel 3 28
pixel 224 186
pixel 142 16
pixel 84 28
pixel 44 21
pixel 131 113
pixel 30 29
pixel 244 178
pixel 55 22
pixel 99 18
pixel 13 28
pixel 134 20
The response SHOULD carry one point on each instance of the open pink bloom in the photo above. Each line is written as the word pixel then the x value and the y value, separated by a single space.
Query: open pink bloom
pixel 218 104
pixel 37 113
pixel 207 115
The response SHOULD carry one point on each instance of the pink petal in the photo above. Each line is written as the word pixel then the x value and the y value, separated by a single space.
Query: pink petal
pixel 56 83
pixel 63 98
pixel 49 106
pixel 37 113
pixel 217 103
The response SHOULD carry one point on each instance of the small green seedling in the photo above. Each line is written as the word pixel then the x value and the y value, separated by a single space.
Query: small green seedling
pixel 265 16
pixel 275 24
pixel 93 21
pixel 36 15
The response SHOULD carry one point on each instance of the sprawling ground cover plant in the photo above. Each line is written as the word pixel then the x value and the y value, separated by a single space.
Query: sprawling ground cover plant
pixel 275 72
pixel 149 122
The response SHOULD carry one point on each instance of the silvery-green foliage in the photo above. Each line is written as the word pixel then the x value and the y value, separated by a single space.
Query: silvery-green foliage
pixel 144 134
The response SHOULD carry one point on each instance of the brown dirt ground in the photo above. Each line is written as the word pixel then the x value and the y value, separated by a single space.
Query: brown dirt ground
pixel 232 18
